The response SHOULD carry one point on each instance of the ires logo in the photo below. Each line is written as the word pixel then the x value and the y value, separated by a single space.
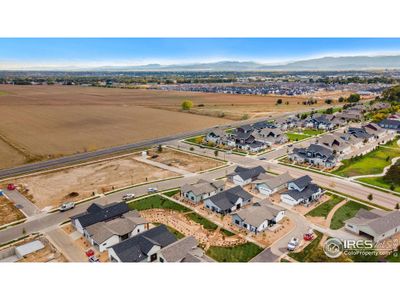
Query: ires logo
pixel 335 247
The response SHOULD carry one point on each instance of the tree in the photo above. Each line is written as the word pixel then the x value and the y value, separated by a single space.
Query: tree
pixel 341 99
pixel 216 153
pixel 392 93
pixel 397 206
pixel 370 197
pixel 191 149
pixel 245 117
pixel 159 148
pixel 328 101
pixel 187 105
pixel 279 101
pixel 329 111
pixel 392 187
pixel 354 98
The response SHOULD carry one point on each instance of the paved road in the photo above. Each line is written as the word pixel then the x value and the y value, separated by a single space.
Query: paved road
pixel 52 219
pixel 27 207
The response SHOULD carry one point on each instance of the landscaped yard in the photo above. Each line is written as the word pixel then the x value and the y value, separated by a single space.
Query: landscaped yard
pixel 240 253
pixel 372 163
pixel 324 209
pixel 379 182
pixel 294 137
pixel 346 212
pixel 156 201
pixel 171 193
pixel 199 219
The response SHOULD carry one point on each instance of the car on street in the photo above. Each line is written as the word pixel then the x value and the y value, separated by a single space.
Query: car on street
pixel 262 158
pixel 293 243
pixel 11 187
pixel 127 197
pixel 152 190
pixel 67 206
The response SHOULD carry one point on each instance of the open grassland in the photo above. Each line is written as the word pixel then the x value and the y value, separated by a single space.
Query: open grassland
pixel 379 182
pixel 371 163
pixel 8 212
pixel 72 184
pixel 347 211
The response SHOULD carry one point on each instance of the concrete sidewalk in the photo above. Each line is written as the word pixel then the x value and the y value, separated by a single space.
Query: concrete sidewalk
pixel 27 207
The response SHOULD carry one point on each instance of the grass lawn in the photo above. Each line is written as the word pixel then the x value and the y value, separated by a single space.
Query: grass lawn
pixel 156 201
pixel 195 139
pixel 294 137
pixel 394 257
pixel 199 219
pixel 372 163
pixel 175 232
pixel 314 253
pixel 324 209
pixel 172 193
pixel 312 132
pixel 378 181
pixel 226 232
pixel 241 253
pixel 346 212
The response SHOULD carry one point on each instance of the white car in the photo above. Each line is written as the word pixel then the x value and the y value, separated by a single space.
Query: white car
pixel 293 243
pixel 128 197
pixel 152 190
pixel 67 206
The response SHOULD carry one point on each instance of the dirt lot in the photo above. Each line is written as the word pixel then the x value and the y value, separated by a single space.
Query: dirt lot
pixel 8 212
pixel 51 121
pixel 183 160
pixel 51 189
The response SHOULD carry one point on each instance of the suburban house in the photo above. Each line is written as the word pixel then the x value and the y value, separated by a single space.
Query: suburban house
pixel 215 136
pixel 246 140
pixel 323 121
pixel 258 217
pixel 183 250
pixel 243 176
pixel 272 136
pixel 108 233
pixel 336 143
pixel 380 105
pixel 390 124
pixel 301 191
pixel 201 190
pixel 374 224
pixel 98 213
pixel 375 130
pixel 349 116
pixel 361 133
pixel 143 247
pixel 317 155
pixel 272 184
pixel 228 201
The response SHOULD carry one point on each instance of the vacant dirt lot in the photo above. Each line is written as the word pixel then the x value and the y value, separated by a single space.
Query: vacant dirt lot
pixel 8 212
pixel 51 189
pixel 183 160
pixel 9 157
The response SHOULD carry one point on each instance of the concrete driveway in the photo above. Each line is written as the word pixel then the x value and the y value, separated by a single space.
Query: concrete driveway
pixel 26 206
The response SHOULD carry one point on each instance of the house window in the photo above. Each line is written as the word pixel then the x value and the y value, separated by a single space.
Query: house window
pixel 153 257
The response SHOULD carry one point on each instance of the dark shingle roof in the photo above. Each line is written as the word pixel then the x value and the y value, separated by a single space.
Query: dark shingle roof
pixel 320 149
pixel 135 249
pixel 98 213
pixel 247 173
pixel 308 191
pixel 302 181
pixel 226 200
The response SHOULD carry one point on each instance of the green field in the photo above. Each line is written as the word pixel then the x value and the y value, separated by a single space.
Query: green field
pixel 294 137
pixel 241 253
pixel 372 163
pixel 378 181
pixel 171 193
pixel 346 212
pixel 200 220
pixel 226 232
pixel 156 201
pixel 324 209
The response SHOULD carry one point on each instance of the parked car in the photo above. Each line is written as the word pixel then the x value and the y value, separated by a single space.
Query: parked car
pixel 293 243
pixel 11 187
pixel 262 158
pixel 309 235
pixel 152 190
pixel 67 206
pixel 89 253
pixel 93 259
pixel 127 197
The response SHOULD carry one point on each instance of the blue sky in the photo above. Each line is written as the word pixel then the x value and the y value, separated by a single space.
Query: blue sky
pixel 136 51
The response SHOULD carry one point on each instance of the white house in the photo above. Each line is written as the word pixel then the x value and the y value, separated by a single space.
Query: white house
pixel 228 201
pixel 243 176
pixel 272 184
pixel 301 191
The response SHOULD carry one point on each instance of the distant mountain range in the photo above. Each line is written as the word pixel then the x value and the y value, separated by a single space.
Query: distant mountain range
pixel 341 63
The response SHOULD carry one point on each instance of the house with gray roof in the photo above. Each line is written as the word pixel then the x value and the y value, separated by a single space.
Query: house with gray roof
pixel 243 176
pixel 201 190
pixel 98 213
pixel 376 225
pixel 271 184
pixel 301 191
pixel 228 201
pixel 315 154
pixel 216 136
pixel 258 217
pixel 105 234
pixel 143 247
pixel 183 250
pixel 336 143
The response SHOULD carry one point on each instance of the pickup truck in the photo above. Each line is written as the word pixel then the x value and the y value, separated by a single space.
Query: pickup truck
pixel 293 243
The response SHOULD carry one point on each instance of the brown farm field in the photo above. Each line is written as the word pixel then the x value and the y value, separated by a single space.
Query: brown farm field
pixel 50 121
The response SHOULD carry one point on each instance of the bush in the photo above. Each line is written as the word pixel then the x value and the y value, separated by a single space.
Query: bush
pixel 187 105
